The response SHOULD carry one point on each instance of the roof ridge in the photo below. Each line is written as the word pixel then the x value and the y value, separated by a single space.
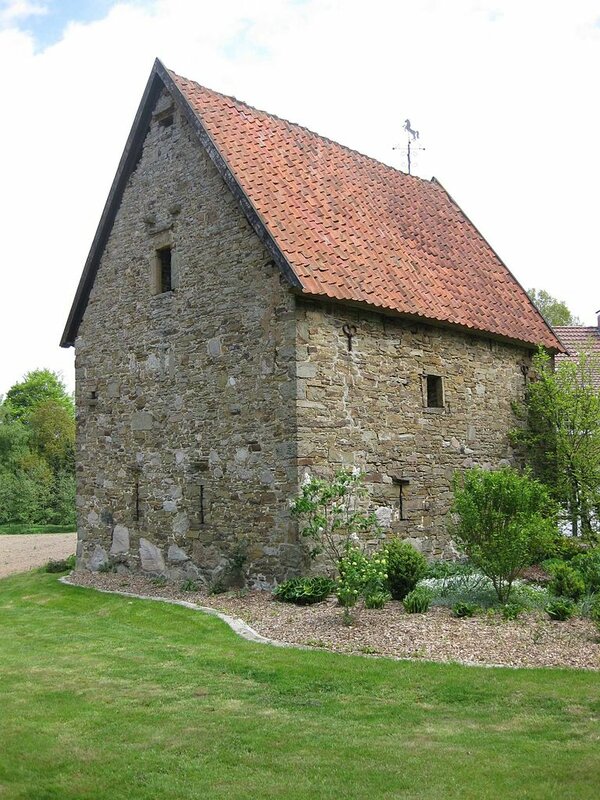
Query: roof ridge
pixel 430 181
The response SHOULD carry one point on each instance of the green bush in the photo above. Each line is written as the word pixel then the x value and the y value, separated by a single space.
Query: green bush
pixel 376 599
pixel 595 611
pixel 511 611
pixel 440 570
pixel 560 609
pixel 465 609
pixel 417 601
pixel 588 565
pixel 565 547
pixel 405 567
pixel 304 591
pixel 61 564
pixel 504 521
pixel 189 585
pixel 566 582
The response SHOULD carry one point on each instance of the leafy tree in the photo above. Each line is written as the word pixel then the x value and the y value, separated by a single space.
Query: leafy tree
pixel 37 444
pixel 504 521
pixel 554 311
pixel 36 387
pixel 52 430
pixel 561 437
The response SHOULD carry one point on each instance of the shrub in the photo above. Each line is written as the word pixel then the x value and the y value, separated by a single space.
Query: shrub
pixel 405 567
pixel 565 547
pixel 376 599
pixel 566 582
pixel 360 575
pixel 440 570
pixel 417 601
pixel 504 521
pixel 560 609
pixel 60 565
pixel 595 611
pixel 304 591
pixel 465 609
pixel 588 565
pixel 189 586
pixel 330 514
pixel 511 611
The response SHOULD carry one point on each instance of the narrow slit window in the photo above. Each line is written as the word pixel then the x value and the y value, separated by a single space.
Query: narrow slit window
pixel 435 391
pixel 165 270
pixel 402 484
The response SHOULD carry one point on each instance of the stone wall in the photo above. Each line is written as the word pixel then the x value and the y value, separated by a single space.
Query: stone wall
pixel 186 412
pixel 367 407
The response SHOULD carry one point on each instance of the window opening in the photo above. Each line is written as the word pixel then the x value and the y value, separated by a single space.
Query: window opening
pixel 402 484
pixel 435 391
pixel 165 269
pixel 201 504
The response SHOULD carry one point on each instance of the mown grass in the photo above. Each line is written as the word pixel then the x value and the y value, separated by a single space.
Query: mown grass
pixel 104 697
pixel 12 528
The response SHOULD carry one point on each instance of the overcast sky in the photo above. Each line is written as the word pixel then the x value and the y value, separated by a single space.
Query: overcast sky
pixel 504 94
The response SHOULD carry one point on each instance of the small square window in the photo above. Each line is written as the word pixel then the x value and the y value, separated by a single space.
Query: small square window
pixel 434 391
pixel 164 270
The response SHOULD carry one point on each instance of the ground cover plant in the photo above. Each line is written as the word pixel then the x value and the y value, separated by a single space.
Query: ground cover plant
pixel 109 697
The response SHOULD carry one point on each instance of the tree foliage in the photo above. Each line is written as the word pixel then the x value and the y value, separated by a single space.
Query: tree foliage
pixel 554 311
pixel 37 446
pixel 561 437
pixel 504 521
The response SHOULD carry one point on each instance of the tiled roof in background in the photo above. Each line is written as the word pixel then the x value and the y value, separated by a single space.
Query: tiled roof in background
pixel 577 339
pixel 353 229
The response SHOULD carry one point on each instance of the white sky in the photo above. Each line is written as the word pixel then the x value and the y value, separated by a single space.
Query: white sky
pixel 504 93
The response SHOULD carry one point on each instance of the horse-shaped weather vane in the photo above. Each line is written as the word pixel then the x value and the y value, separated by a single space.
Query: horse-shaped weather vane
pixel 413 135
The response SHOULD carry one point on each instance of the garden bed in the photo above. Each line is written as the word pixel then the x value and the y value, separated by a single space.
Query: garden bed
pixel 530 641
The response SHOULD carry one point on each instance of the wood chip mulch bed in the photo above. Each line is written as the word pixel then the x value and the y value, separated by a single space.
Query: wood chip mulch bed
pixel 531 641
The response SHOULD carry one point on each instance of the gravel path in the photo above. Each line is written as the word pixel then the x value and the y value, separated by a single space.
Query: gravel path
pixel 531 641
pixel 29 550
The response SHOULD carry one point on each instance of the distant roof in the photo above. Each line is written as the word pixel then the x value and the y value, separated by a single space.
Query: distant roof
pixel 577 339
pixel 339 224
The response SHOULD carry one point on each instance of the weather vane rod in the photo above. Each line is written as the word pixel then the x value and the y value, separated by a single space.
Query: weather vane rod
pixel 411 138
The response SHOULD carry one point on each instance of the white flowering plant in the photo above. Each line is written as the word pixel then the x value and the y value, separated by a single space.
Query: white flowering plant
pixel 332 515
pixel 362 576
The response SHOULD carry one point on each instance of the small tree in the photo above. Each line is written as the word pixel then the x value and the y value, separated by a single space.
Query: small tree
pixel 503 521
pixel 331 515
pixel 561 437
pixel 554 311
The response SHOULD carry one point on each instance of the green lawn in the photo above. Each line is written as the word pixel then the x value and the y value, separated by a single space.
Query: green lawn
pixel 12 527
pixel 103 697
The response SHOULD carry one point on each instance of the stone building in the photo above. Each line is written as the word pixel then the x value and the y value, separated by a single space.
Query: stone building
pixel 260 302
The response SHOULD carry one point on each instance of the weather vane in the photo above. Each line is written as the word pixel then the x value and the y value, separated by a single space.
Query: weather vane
pixel 412 136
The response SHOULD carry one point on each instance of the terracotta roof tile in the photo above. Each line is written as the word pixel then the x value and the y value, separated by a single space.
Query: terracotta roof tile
pixel 354 229
pixel 577 339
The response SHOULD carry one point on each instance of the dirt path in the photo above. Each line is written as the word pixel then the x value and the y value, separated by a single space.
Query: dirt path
pixel 25 551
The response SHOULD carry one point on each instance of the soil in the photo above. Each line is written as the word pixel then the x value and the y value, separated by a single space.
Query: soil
pixel 533 640
pixel 25 551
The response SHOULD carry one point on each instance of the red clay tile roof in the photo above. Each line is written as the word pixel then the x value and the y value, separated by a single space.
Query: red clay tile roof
pixel 577 339
pixel 353 229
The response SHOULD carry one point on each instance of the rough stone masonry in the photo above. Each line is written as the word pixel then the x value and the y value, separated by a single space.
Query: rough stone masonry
pixel 201 407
